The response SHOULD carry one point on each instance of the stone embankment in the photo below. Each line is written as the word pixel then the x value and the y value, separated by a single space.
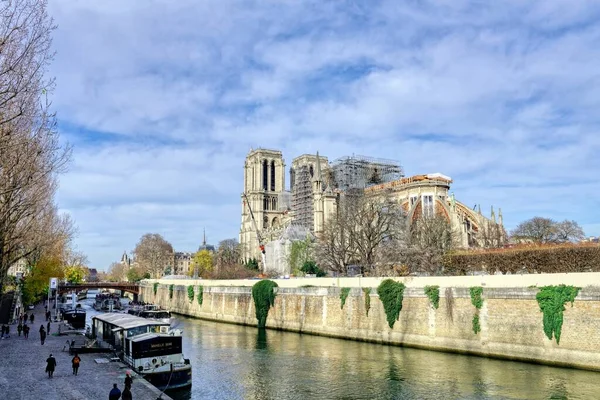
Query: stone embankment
pixel 509 319
pixel 23 376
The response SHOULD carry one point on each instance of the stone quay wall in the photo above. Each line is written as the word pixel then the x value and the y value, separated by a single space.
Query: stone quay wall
pixel 510 319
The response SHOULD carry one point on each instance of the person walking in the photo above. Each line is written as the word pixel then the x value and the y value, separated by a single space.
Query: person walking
pixel 115 393
pixel 19 328
pixel 48 328
pixel 42 334
pixel 128 380
pixel 31 319
pixel 76 361
pixel 25 318
pixel 50 365
pixel 26 331
pixel 126 394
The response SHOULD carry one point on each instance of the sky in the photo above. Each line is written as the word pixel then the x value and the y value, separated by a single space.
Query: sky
pixel 163 100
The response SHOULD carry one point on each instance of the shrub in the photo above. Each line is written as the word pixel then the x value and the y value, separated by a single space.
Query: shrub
pixel 552 300
pixel 476 325
pixel 391 294
pixel 311 267
pixel 200 294
pixel 367 292
pixel 343 295
pixel 264 298
pixel 155 287
pixel 433 292
pixel 171 287
pixel 190 290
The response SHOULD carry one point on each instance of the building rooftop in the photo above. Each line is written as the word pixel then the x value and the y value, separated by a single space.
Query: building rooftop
pixel 128 321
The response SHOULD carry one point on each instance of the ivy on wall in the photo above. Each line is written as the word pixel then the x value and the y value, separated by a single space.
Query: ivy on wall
pixel 200 294
pixel 433 292
pixel 552 300
pixel 264 298
pixel 171 291
pixel 344 295
pixel 477 301
pixel 391 294
pixel 155 287
pixel 367 292
pixel 190 290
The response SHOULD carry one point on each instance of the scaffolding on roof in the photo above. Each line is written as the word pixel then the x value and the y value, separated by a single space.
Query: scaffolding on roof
pixel 302 198
pixel 359 172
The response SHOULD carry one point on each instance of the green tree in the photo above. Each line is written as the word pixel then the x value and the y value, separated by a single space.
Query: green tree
pixel 74 274
pixel 300 253
pixel 203 262
pixel 136 274
pixel 38 279
pixel 311 267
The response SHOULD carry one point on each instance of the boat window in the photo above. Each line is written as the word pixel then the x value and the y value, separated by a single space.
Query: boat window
pixel 136 331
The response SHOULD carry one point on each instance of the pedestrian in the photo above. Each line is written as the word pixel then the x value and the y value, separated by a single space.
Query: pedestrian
pixel 48 314
pixel 126 394
pixel 7 331
pixel 76 361
pixel 31 319
pixel 50 365
pixel 26 331
pixel 42 334
pixel 128 380
pixel 25 318
pixel 3 330
pixel 48 327
pixel 19 328
pixel 115 393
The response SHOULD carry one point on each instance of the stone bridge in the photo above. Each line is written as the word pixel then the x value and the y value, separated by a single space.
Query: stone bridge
pixel 130 287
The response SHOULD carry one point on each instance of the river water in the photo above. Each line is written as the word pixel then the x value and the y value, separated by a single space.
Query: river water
pixel 237 362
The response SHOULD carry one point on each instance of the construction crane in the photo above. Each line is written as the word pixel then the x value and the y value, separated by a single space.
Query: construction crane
pixel 261 245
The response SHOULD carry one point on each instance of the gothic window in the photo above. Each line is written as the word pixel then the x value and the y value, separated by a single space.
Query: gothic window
pixel 428 206
pixel 292 178
pixel 272 176
pixel 312 172
pixel 413 200
pixel 266 203
pixel 274 203
pixel 265 169
pixel 265 222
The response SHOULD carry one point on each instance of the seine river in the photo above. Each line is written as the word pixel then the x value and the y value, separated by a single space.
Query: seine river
pixel 236 362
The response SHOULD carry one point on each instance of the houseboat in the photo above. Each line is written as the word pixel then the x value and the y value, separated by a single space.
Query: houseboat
pixel 82 295
pixel 148 346
pixel 107 302
pixel 152 311
pixel 75 317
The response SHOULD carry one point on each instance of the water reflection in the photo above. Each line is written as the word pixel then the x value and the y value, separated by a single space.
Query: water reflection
pixel 237 362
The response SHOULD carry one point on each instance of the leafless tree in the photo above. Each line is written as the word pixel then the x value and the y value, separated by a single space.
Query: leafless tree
pixel 154 254
pixel 428 240
pixel 569 231
pixel 358 231
pixel 536 230
pixel 228 255
pixel 492 235
pixel 31 154
pixel 117 272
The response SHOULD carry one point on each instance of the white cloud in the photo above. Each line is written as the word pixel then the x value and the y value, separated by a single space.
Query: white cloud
pixel 164 99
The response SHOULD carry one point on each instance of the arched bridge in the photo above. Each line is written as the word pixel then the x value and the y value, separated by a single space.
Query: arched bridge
pixel 122 286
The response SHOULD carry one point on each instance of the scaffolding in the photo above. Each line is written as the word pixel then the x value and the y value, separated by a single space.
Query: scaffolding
pixel 302 198
pixel 360 172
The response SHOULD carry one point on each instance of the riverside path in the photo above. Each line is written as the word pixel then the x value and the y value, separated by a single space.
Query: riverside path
pixel 23 364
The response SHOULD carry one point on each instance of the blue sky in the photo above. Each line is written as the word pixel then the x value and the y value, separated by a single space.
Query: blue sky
pixel 162 101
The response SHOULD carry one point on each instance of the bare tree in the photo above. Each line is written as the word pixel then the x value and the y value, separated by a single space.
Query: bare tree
pixel 569 231
pixel 536 230
pixel 428 240
pixel 358 231
pixel 228 255
pixel 117 272
pixel 31 154
pixel 154 254
pixel 492 235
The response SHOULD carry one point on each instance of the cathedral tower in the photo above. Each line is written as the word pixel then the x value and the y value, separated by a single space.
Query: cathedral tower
pixel 264 183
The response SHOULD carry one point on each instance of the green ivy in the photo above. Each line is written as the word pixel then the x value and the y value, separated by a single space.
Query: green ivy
pixel 552 300
pixel 476 325
pixel 155 287
pixel 190 290
pixel 264 298
pixel 344 295
pixel 476 299
pixel 433 292
pixel 200 297
pixel 367 292
pixel 171 291
pixel 391 294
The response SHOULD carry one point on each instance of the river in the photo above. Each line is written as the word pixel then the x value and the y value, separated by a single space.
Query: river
pixel 237 362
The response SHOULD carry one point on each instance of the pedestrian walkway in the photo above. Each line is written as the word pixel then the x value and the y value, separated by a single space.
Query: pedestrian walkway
pixel 23 364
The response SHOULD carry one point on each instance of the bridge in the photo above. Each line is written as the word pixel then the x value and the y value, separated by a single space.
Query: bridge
pixel 130 287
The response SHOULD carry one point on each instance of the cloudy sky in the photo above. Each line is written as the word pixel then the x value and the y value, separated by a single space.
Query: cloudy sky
pixel 162 100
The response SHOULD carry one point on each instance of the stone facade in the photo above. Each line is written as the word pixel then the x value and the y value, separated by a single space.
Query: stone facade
pixel 511 321
pixel 18 269
pixel 315 196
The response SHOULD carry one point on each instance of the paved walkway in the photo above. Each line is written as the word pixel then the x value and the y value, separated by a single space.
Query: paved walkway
pixel 23 364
